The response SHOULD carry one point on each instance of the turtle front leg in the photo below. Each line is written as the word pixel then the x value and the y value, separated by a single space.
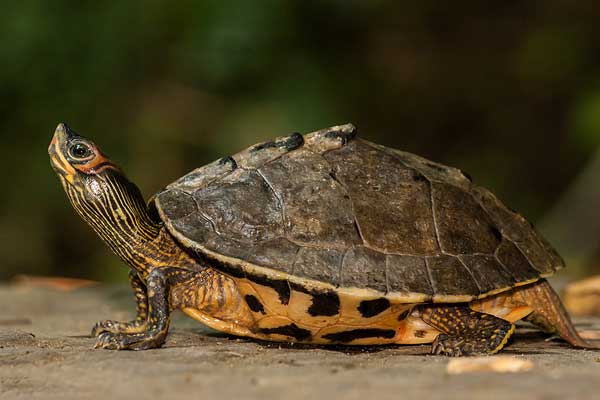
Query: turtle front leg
pixel 138 324
pixel 466 332
pixel 155 329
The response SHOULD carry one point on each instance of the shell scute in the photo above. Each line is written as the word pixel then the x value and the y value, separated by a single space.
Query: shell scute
pixel 392 208
pixel 316 207
pixel 261 217
pixel 463 225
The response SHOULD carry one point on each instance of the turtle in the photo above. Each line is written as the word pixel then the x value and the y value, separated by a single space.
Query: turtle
pixel 322 239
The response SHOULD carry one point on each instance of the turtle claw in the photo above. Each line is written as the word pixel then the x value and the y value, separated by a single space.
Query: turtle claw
pixel 132 341
pixel 448 346
pixel 106 340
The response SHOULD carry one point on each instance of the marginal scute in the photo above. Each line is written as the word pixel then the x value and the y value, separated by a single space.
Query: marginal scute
pixel 278 254
pixel 198 229
pixel 178 204
pixel 322 265
pixel 487 272
pixel 193 226
pixel 391 204
pixel 316 209
pixel 408 274
pixel 364 268
pixel 450 277
pixel 515 262
pixel 463 226
pixel 516 228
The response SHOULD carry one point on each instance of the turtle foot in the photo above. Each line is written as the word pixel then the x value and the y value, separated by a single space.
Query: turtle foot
pixel 465 332
pixel 131 341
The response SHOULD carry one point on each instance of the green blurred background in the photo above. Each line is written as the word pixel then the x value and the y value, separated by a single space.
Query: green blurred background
pixel 508 91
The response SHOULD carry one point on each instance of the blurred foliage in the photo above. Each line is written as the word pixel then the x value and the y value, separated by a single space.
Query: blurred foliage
pixel 509 91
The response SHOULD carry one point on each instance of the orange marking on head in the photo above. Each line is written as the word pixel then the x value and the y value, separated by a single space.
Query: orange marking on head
pixel 97 164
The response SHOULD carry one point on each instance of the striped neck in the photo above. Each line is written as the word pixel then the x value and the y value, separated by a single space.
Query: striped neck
pixel 115 209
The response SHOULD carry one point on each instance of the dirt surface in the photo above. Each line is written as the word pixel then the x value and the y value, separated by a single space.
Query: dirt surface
pixel 46 352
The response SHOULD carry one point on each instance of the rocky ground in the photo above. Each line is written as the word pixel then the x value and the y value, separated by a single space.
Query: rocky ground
pixel 45 352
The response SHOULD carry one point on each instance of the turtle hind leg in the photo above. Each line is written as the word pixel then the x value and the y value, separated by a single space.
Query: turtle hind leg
pixel 550 315
pixel 465 332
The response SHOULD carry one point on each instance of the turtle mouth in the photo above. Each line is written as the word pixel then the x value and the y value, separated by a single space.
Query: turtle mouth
pixel 55 150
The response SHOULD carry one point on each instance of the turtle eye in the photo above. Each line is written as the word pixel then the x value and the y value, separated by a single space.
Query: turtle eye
pixel 80 151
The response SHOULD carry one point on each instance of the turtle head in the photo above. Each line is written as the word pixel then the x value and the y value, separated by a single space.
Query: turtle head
pixel 98 189
pixel 89 178
pixel 75 158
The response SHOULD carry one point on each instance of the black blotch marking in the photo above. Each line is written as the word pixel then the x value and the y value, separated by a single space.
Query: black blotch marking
pixel 497 234
pixel 349 336
pixel 228 160
pixel 402 316
pixel 281 286
pixel 371 308
pixel 291 330
pixel 324 302
pixel 420 334
pixel 289 143
pixel 344 137
pixel 254 304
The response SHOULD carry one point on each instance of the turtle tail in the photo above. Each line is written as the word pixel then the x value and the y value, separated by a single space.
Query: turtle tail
pixel 550 314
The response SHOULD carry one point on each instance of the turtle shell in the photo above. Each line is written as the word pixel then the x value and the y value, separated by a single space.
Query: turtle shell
pixel 332 211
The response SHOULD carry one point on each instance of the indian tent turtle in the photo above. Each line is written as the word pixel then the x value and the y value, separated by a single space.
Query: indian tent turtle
pixel 324 238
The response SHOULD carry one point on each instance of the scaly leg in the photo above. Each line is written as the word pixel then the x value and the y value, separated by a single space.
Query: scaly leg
pixel 138 324
pixel 550 314
pixel 155 330
pixel 466 332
